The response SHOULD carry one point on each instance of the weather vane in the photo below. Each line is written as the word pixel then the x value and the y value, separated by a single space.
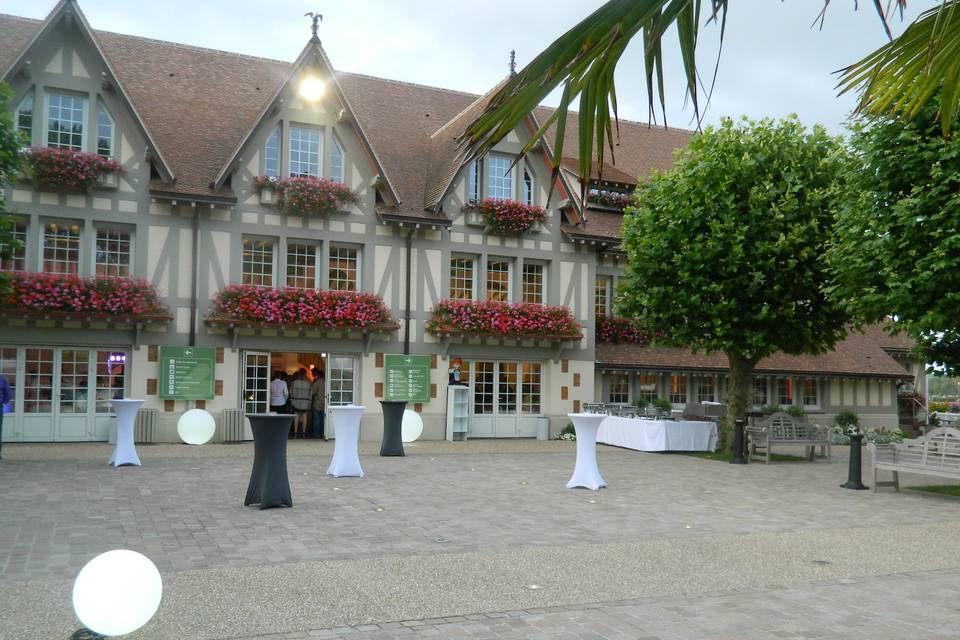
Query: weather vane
pixel 316 17
pixel 513 63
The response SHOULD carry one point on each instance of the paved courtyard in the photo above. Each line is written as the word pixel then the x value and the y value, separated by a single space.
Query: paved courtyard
pixel 481 540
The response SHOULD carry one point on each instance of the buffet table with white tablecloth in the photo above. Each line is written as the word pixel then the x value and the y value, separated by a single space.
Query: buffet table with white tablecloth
pixel 658 435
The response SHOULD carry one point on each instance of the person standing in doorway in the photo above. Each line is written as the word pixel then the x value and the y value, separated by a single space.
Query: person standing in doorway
pixel 278 392
pixel 300 399
pixel 318 401
pixel 5 397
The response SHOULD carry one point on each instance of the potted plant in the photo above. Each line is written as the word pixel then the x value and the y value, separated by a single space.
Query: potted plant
pixel 506 216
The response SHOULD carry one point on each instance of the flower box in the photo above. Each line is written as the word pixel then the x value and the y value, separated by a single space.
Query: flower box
pixel 301 307
pixel 620 331
pixel 610 200
pixel 506 216
pixel 68 169
pixel 100 297
pixel 474 318
pixel 306 196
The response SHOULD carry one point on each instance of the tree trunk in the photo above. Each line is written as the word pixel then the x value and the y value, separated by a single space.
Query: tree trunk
pixel 738 393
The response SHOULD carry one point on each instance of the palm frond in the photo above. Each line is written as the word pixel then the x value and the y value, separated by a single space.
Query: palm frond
pixel 902 75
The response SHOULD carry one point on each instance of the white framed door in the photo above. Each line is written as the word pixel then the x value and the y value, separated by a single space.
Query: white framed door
pixel 36 396
pixel 505 398
pixel 505 414
pixel 341 376
pixel 256 382
pixel 483 393
pixel 71 388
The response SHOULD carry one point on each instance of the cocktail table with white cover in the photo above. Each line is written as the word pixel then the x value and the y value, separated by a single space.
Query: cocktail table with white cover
pixel 658 435
pixel 585 473
pixel 346 457
pixel 123 451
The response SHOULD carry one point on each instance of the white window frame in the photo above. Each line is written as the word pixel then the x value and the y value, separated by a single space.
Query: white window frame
pixel 317 261
pixel 534 386
pixel 686 389
pixel 319 132
pixel 475 181
pixel 817 389
pixel 766 384
pixel 277 134
pixel 629 386
pixel 716 388
pixel 18 222
pixel 792 386
pixel 608 291
pixel 336 149
pixel 529 186
pixel 102 106
pixel 359 271
pixel 486 277
pixel 504 181
pixel 31 97
pixel 474 277
pixel 273 260
pixel 643 393
pixel 543 280
pixel 46 121
pixel 43 233
pixel 102 226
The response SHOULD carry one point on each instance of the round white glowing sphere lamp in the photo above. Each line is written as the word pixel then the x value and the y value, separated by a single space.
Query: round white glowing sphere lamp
pixel 196 426
pixel 411 427
pixel 312 88
pixel 117 592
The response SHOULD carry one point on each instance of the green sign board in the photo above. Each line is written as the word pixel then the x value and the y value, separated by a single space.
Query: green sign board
pixel 407 378
pixel 187 373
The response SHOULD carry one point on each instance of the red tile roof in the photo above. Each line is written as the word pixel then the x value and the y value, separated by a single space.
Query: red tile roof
pixel 180 90
pixel 859 354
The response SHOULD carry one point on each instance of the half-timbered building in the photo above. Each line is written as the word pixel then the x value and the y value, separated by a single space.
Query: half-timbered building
pixel 201 136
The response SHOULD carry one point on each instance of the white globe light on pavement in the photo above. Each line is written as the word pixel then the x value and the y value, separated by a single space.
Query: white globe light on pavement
pixel 117 592
pixel 411 426
pixel 196 426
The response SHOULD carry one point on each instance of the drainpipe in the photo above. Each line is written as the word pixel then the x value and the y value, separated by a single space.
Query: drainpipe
pixel 194 303
pixel 406 311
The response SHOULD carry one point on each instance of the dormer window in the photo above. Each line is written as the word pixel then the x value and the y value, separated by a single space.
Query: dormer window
pixel 66 115
pixel 104 131
pixel 336 162
pixel 271 154
pixel 500 177
pixel 24 118
pixel 304 152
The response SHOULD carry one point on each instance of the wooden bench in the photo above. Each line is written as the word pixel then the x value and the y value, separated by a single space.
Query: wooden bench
pixel 781 429
pixel 935 454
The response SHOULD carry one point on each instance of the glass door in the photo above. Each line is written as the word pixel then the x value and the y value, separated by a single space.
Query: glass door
pixel 256 382
pixel 341 386
pixel 37 420
pixel 483 390
pixel 505 419
pixel 8 369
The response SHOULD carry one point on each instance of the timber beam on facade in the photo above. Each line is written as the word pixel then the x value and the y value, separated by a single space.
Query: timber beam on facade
pixel 556 344
pixel 365 334
pixel 95 321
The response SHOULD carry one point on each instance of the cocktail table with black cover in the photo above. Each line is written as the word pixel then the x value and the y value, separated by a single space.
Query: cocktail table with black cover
pixel 392 444
pixel 269 484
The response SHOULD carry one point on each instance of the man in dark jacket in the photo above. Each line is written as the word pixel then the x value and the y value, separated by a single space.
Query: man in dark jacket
pixel 5 396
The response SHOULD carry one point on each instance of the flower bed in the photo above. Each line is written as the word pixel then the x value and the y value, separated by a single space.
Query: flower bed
pixel 328 309
pixel 308 195
pixel 610 199
pixel 620 331
pixel 67 169
pixel 509 216
pixel 123 298
pixel 503 319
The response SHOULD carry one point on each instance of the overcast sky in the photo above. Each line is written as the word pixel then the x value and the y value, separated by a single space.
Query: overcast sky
pixel 773 62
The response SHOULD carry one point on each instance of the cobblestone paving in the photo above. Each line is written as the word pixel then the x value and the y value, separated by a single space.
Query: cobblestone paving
pixel 454 520
pixel 187 512
pixel 912 606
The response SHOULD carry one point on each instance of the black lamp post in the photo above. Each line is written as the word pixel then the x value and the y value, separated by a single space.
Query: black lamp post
pixel 856 462
pixel 739 441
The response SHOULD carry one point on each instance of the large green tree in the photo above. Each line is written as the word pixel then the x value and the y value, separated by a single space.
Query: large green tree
pixel 899 77
pixel 897 251
pixel 10 162
pixel 725 249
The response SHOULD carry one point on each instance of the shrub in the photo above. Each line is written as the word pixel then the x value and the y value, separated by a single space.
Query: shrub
pixel 796 412
pixel 839 435
pixel 567 433
pixel 770 409
pixel 847 419
pixel 66 168
pixel 641 403
pixel 662 404
pixel 939 406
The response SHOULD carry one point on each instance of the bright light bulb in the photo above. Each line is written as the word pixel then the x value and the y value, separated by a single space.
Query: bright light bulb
pixel 311 88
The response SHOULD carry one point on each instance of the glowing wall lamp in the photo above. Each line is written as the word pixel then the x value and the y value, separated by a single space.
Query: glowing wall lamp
pixel 312 88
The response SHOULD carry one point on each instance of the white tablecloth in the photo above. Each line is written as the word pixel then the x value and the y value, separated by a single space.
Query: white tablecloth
pixel 658 435
pixel 346 458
